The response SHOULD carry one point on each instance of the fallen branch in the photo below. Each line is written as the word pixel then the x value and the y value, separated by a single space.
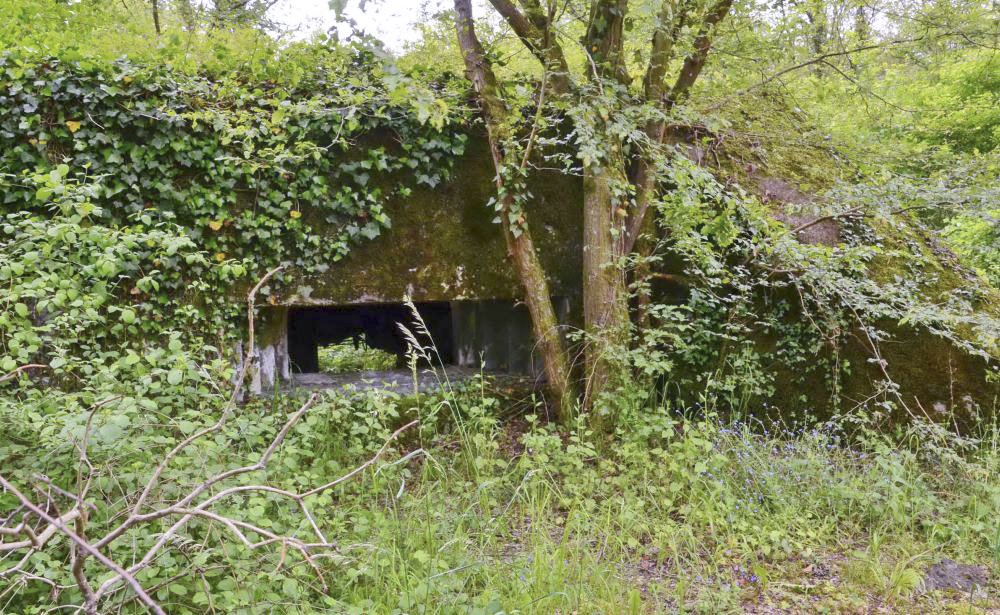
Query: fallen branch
pixel 13 374
pixel 852 212
pixel 32 538
pixel 85 546
pixel 33 541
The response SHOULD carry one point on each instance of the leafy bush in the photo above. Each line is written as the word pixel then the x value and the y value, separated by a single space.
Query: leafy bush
pixel 348 357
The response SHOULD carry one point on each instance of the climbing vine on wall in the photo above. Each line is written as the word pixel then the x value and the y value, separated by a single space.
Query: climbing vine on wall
pixel 254 174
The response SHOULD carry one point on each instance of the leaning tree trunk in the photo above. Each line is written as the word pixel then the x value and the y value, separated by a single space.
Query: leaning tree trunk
pixel 544 323
pixel 537 296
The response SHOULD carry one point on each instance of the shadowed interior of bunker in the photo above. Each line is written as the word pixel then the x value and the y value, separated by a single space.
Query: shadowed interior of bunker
pixel 492 335
pixel 377 325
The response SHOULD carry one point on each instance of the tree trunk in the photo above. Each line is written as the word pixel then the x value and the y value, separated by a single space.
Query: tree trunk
pixel 544 323
pixel 156 16
pixel 522 251
pixel 605 298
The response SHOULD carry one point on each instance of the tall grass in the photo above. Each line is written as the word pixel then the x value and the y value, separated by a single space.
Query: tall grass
pixel 680 514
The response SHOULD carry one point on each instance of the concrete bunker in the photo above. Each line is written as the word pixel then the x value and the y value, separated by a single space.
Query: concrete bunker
pixel 492 335
pixel 443 251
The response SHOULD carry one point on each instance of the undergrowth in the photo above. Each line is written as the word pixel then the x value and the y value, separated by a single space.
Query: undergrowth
pixel 351 357
pixel 685 512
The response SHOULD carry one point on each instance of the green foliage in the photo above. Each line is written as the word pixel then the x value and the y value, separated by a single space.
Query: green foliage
pixel 254 175
pixel 683 512
pixel 957 105
pixel 346 357
pixel 972 226
pixel 193 39
pixel 767 324
pixel 66 275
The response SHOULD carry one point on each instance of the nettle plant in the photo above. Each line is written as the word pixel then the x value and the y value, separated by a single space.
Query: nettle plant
pixel 254 174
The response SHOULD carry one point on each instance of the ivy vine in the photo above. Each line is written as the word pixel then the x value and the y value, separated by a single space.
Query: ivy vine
pixel 254 174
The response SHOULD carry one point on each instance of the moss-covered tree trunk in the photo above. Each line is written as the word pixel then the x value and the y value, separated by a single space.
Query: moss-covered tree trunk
pixel 520 245
pixel 605 297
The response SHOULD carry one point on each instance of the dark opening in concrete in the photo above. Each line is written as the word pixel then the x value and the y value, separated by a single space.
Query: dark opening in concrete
pixel 375 325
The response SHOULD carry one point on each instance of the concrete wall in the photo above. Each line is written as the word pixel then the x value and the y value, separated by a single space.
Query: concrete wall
pixel 497 336
pixel 444 246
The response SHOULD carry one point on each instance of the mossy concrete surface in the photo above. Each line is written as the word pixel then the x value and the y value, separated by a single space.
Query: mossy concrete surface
pixel 443 244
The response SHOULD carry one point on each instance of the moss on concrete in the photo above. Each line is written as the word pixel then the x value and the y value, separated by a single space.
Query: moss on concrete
pixel 443 244
pixel 771 150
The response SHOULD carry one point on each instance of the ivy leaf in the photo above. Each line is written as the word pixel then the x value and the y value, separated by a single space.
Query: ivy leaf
pixel 73 126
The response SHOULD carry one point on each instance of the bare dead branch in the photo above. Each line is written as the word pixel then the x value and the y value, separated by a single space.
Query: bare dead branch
pixel 852 212
pixel 32 538
pixel 251 297
pixel 85 546
pixel 33 541
pixel 13 374
pixel 66 494
pixel 235 526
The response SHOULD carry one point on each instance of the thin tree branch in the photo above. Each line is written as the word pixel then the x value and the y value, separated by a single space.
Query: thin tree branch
pixel 85 546
pixel 251 296
pixel 854 211
pixel 33 541
pixel 810 62
pixel 13 374
pixel 695 62
pixel 533 30
pixel 537 121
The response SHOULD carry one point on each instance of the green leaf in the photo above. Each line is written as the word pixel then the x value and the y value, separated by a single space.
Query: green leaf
pixel 110 432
